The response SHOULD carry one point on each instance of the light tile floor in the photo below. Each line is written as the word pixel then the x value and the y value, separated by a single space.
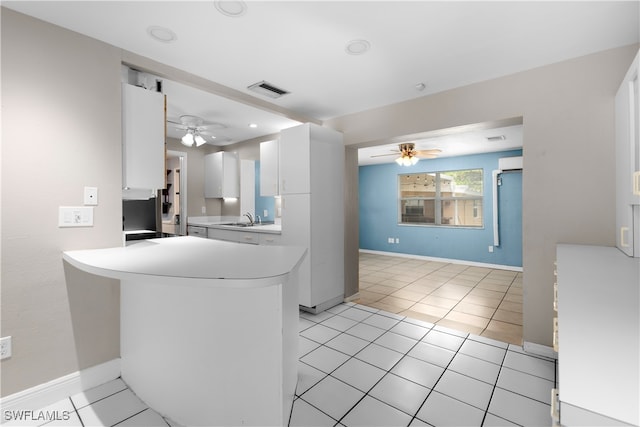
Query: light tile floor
pixel 360 366
pixel 478 300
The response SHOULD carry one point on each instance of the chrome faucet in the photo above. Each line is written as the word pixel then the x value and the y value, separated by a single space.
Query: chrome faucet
pixel 248 215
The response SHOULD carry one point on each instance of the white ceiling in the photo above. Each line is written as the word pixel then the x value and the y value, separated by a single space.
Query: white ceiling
pixel 300 46
pixel 455 144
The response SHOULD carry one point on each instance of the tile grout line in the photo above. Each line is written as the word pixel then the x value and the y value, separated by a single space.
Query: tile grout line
pixel 436 383
pixel 76 411
pixel 495 386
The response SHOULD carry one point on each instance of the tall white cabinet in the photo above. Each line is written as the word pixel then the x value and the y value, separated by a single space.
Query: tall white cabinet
pixel 311 171
pixel 143 139
pixel 628 163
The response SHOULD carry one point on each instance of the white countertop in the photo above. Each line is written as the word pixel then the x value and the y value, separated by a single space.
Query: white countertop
pixel 188 257
pixel 220 221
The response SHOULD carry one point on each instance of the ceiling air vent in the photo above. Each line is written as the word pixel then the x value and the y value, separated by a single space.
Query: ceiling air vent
pixel 496 138
pixel 266 88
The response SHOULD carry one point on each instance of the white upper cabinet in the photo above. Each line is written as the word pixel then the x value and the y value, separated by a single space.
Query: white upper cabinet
pixel 143 138
pixel 221 175
pixel 628 163
pixel 294 158
pixel 269 181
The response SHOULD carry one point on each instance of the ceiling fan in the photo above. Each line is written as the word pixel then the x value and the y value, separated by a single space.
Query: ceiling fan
pixel 409 155
pixel 196 129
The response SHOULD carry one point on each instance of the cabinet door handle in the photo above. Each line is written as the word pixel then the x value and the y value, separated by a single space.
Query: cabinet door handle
pixel 623 232
pixel 636 183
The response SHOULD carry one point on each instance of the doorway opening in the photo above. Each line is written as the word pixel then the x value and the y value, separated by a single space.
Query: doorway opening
pixel 173 205
pixel 447 273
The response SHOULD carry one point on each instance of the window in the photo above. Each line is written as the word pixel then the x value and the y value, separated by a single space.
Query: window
pixel 450 198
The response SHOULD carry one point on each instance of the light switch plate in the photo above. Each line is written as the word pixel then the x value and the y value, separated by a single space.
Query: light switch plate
pixel 5 348
pixel 75 216
pixel 90 196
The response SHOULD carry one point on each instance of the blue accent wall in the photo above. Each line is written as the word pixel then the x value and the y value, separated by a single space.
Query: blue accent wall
pixel 378 195
pixel 262 203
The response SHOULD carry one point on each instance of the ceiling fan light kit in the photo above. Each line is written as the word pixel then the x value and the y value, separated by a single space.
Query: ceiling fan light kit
pixel 409 156
pixel 194 126
pixel 405 160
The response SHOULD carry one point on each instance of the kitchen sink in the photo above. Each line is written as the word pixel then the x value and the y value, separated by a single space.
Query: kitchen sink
pixel 247 224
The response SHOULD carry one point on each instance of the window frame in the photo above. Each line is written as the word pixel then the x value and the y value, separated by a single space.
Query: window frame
pixel 438 201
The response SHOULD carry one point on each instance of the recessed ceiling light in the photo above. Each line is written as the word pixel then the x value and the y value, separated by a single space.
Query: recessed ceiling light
pixel 232 8
pixel 162 34
pixel 357 47
pixel 253 125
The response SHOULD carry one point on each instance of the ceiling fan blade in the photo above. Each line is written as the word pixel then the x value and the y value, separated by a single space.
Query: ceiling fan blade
pixel 382 155
pixel 211 125
pixel 427 156
pixel 431 151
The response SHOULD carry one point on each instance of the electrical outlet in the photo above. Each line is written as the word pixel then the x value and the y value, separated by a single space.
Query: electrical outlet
pixel 91 196
pixel 490 248
pixel 5 348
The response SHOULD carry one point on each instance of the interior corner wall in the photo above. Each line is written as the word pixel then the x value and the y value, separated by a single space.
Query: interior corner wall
pixel 61 131
pixel 351 228
pixel 568 125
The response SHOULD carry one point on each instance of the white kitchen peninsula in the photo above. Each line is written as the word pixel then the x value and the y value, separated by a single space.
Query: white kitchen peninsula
pixel 209 328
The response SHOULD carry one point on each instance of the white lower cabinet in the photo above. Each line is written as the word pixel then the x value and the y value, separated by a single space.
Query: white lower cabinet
pixel 270 239
pixel 193 230
pixel 598 336
pixel 251 237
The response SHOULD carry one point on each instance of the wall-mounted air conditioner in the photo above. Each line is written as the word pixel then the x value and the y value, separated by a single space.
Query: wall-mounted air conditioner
pixel 510 163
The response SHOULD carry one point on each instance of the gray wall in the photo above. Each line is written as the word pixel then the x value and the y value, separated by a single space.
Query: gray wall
pixel 568 194
pixel 61 131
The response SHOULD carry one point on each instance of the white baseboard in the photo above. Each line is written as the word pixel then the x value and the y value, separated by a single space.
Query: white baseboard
pixel 352 297
pixel 539 349
pixel 45 394
pixel 449 260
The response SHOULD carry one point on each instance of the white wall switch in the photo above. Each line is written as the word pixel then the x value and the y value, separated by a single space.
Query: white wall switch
pixel 265 213
pixel 75 216
pixel 389 239
pixel 204 210
pixel 397 240
pixel 490 248
pixel 91 196
pixel 5 348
